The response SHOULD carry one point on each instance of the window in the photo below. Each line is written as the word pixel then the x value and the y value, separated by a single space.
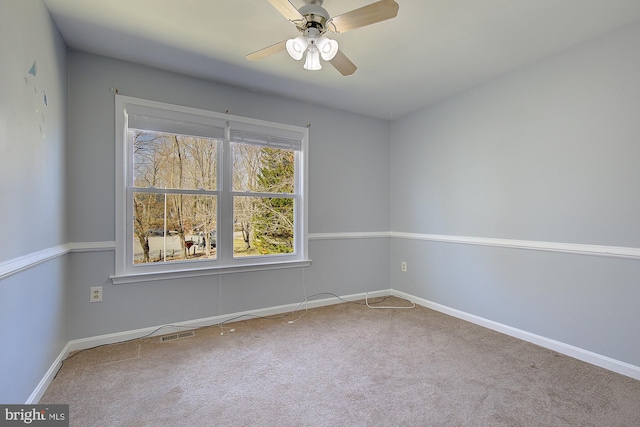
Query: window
pixel 199 192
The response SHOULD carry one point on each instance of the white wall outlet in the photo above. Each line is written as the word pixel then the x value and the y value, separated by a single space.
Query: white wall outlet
pixel 403 266
pixel 96 294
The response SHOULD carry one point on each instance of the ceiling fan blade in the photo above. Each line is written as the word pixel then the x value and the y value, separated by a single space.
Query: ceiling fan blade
pixel 343 64
pixel 366 15
pixel 288 10
pixel 267 51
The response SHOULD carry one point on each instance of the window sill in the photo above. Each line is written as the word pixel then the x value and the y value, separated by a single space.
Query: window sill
pixel 180 274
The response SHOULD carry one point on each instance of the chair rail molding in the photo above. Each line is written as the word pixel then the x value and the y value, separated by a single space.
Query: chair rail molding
pixel 570 248
pixel 24 262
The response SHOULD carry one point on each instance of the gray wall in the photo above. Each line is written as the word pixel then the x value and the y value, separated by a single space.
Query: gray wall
pixel 33 301
pixel 349 186
pixel 546 153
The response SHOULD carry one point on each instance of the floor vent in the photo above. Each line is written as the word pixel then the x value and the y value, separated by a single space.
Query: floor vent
pixel 178 336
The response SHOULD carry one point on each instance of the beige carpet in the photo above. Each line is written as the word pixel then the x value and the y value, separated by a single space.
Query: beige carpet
pixel 342 365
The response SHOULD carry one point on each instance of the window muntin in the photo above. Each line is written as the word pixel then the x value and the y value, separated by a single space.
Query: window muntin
pixel 187 197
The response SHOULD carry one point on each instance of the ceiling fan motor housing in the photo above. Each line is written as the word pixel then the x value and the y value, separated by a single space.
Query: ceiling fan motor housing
pixel 315 14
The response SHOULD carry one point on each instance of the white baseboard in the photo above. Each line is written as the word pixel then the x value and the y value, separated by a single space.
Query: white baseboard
pixel 557 346
pixel 90 342
pixel 566 349
pixel 48 377
pixel 84 343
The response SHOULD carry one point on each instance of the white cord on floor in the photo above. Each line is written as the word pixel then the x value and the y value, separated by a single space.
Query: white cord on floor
pixel 366 299
pixel 220 304
pixel 305 300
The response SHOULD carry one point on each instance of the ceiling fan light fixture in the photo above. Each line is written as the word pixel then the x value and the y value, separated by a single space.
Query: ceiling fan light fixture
pixel 296 47
pixel 313 59
pixel 313 21
pixel 328 48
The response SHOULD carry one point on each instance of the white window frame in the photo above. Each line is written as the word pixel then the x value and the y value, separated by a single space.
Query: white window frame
pixel 126 271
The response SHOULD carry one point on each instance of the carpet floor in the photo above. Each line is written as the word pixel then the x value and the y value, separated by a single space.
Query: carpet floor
pixel 341 365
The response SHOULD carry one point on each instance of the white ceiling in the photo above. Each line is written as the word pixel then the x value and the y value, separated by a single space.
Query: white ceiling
pixel 431 50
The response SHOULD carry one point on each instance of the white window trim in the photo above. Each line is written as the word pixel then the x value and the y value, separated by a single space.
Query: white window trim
pixel 126 272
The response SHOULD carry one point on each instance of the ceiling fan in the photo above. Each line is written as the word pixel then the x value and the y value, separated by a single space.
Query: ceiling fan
pixel 313 21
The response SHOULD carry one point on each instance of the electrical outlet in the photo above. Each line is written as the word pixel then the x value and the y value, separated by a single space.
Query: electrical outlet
pixel 96 294
pixel 404 266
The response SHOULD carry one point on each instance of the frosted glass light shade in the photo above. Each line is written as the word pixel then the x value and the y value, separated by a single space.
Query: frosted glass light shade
pixel 296 47
pixel 328 48
pixel 313 59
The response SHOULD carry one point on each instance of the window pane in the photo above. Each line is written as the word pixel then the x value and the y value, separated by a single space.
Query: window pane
pixel 174 227
pixel 262 226
pixel 165 160
pixel 263 169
